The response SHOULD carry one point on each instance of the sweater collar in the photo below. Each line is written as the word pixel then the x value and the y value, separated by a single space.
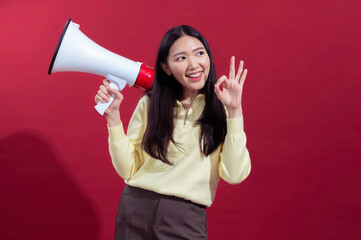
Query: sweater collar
pixel 195 110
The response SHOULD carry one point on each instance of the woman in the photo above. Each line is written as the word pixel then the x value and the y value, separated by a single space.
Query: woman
pixel 184 135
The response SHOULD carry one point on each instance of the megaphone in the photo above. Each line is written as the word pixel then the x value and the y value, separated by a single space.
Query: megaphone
pixel 75 52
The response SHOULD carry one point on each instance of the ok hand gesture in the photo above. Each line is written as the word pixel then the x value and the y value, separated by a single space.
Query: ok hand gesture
pixel 231 94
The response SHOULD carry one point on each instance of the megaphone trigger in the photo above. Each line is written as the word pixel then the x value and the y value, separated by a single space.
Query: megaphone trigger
pixel 118 82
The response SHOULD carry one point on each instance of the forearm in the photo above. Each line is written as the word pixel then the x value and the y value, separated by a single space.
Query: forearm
pixel 122 152
pixel 235 162
pixel 125 150
pixel 113 119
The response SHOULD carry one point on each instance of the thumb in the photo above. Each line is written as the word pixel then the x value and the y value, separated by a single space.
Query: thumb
pixel 118 97
pixel 116 93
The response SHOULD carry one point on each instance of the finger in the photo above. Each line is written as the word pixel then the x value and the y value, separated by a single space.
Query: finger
pixel 106 82
pixel 232 68
pixel 104 90
pixel 228 84
pixel 116 93
pixel 240 69
pixel 98 99
pixel 217 87
pixel 243 78
pixel 221 80
pixel 218 91
pixel 102 97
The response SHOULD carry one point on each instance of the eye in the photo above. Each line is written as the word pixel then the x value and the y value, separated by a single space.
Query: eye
pixel 200 53
pixel 180 58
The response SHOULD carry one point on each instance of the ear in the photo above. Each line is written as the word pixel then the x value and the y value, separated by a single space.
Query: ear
pixel 166 69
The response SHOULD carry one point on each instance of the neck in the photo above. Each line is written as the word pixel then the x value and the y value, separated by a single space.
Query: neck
pixel 188 98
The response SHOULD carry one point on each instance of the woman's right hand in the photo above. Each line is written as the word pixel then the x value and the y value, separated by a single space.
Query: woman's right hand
pixel 103 95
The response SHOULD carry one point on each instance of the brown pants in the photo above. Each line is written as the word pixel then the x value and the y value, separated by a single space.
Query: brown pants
pixel 144 214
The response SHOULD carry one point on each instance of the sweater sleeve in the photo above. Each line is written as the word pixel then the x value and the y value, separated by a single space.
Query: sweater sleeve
pixel 235 163
pixel 125 149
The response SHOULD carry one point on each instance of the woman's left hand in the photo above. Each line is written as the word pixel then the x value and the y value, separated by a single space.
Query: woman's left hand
pixel 231 94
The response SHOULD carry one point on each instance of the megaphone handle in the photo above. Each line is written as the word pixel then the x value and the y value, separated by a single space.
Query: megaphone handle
pixel 116 84
pixel 101 107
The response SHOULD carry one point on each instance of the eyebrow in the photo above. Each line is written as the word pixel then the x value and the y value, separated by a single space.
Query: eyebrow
pixel 194 50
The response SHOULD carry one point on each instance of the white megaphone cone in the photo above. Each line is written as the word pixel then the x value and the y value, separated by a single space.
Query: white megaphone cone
pixel 75 52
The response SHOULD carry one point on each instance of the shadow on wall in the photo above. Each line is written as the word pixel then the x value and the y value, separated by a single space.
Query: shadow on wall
pixel 38 199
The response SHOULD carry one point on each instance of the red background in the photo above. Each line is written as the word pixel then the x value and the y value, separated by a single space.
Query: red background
pixel 301 108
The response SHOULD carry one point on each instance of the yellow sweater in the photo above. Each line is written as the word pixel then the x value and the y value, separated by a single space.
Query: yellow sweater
pixel 192 176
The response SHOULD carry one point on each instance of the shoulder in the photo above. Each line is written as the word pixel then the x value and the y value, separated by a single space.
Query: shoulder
pixel 144 100
pixel 142 104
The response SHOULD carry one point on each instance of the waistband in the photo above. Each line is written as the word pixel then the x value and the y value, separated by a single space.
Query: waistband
pixel 151 194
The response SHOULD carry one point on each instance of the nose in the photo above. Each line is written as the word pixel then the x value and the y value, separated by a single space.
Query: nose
pixel 193 63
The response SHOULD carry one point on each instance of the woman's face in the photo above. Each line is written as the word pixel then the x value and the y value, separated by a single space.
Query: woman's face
pixel 189 63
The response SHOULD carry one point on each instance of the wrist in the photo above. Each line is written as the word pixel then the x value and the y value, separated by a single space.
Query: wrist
pixel 113 119
pixel 234 113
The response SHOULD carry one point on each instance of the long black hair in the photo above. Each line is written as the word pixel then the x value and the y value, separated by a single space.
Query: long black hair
pixel 165 92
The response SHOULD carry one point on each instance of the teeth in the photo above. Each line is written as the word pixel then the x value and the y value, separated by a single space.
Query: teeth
pixel 194 75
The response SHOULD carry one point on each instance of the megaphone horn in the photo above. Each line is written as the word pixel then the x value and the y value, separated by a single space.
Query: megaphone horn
pixel 75 52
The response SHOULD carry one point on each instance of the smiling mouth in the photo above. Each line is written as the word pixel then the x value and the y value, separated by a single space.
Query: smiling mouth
pixel 195 76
